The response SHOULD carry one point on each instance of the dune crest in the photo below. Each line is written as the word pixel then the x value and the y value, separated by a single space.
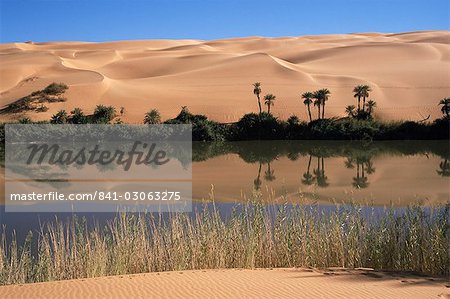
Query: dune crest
pixel 409 72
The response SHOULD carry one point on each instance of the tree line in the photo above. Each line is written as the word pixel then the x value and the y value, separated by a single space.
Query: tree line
pixel 359 124
pixel 319 99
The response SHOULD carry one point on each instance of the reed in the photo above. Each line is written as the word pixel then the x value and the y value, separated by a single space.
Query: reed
pixel 254 236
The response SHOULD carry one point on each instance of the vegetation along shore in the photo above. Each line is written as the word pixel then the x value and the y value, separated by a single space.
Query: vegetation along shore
pixel 360 123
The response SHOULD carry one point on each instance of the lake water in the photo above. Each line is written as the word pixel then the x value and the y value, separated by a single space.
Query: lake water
pixel 377 173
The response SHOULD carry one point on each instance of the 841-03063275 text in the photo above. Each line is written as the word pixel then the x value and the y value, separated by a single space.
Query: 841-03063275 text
pixel 164 195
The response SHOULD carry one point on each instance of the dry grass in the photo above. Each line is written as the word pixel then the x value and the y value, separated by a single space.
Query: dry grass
pixel 414 239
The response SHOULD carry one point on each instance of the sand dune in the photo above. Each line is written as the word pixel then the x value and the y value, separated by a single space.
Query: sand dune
pixel 274 283
pixel 409 73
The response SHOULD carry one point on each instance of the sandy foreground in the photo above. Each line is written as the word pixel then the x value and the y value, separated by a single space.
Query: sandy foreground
pixel 237 283
pixel 408 72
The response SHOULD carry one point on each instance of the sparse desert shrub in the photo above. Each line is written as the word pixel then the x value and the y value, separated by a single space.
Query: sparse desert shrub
pixel 31 102
pixel 37 93
pixel 53 99
pixel 22 104
pixel 42 108
pixel 55 89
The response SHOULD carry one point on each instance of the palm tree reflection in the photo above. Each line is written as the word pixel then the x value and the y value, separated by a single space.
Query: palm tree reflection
pixel 319 173
pixel 308 178
pixel 363 165
pixel 257 182
pixel 269 174
pixel 318 176
pixel 444 168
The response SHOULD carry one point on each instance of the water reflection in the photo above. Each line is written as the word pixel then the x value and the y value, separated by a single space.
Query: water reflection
pixel 363 165
pixel 380 171
pixel 269 174
pixel 388 171
pixel 308 178
pixel 384 172
pixel 319 172
pixel 444 168
pixel 257 182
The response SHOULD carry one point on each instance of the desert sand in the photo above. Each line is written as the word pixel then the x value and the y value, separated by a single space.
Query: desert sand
pixel 408 72
pixel 237 283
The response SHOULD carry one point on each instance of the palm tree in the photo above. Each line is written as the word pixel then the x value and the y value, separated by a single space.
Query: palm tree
pixel 317 102
pixel 308 96
pixel 77 116
pixel 152 117
pixel 365 93
pixel 59 118
pixel 268 100
pixel 358 90
pixel 257 92
pixel 350 110
pixel 324 94
pixel 445 106
pixel 370 105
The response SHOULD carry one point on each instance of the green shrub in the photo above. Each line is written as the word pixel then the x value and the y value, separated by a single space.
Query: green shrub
pixel 103 114
pixel 202 128
pixel 254 126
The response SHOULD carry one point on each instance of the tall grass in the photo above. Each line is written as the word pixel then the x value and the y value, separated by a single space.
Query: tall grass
pixel 413 239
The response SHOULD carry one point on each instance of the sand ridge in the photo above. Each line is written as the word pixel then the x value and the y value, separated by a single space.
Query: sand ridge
pixel 239 283
pixel 409 73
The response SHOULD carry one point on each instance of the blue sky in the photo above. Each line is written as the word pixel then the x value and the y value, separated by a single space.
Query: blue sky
pixel 100 20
